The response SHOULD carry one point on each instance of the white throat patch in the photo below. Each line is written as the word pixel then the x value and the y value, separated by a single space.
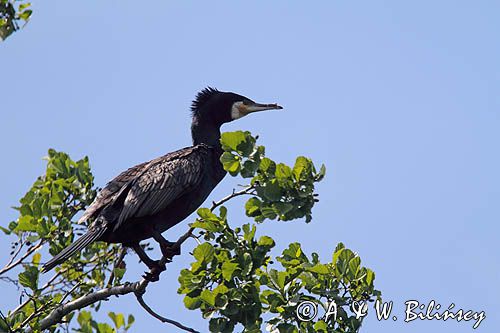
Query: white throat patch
pixel 236 112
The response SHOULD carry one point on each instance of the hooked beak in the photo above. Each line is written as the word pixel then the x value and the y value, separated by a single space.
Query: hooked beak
pixel 255 107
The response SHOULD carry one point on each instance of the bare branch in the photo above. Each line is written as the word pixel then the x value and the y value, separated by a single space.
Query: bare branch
pixel 161 318
pixel 70 291
pixel 62 310
pixel 247 190
pixel 30 250
pixel 35 313
pixel 19 248
pixel 123 252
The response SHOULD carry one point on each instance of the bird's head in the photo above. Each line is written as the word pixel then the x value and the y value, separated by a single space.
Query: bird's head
pixel 218 107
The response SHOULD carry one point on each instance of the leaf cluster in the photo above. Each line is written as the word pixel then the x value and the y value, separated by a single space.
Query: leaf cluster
pixel 13 12
pixel 46 220
pixel 284 193
pixel 233 280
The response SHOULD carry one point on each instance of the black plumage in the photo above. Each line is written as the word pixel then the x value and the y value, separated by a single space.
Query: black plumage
pixel 149 198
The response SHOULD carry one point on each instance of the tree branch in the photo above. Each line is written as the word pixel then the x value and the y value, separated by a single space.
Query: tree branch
pixel 30 250
pixel 62 310
pixel 18 249
pixel 246 190
pixel 123 252
pixel 138 288
pixel 161 318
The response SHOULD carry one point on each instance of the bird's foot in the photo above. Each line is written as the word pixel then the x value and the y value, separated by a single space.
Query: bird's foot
pixel 154 272
pixel 170 249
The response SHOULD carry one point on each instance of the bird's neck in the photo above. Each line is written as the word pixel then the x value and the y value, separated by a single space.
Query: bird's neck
pixel 205 132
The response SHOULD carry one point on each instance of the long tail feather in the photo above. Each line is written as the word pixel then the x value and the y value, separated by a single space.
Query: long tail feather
pixel 78 245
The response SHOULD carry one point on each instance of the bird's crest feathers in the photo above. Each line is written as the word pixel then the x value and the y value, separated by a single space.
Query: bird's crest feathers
pixel 201 98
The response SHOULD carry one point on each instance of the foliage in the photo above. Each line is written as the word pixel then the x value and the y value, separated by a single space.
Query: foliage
pixel 12 13
pixel 283 193
pixel 233 279
pixel 46 214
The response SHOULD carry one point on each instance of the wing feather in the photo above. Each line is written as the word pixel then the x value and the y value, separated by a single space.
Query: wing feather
pixel 163 181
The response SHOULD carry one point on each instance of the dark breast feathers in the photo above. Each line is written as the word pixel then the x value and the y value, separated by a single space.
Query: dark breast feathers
pixel 155 195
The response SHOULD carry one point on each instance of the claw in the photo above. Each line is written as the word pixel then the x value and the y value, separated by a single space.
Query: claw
pixel 155 271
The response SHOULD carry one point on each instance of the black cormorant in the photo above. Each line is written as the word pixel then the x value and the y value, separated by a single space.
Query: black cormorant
pixel 149 198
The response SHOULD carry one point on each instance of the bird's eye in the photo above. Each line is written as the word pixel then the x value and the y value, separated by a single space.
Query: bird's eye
pixel 247 102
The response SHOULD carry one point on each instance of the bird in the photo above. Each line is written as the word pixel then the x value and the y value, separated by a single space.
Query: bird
pixel 147 199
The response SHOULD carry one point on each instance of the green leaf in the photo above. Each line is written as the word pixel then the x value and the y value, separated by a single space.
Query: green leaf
pixel 249 168
pixel 278 278
pixel 5 230
pixel 26 223
pixel 354 264
pixel 287 328
pixel 104 328
pixel 283 172
pixel 208 297
pixel 268 212
pixel 247 264
pixel 84 317
pixel 130 321
pixel 192 303
pixel 228 269
pixel 207 214
pixel 29 278
pixel 320 326
pixel 249 232
pixel 321 173
pixel 204 253
pixel 370 277
pixel 301 164
pixel 26 14
pixel 221 325
pixel 266 241
pixel 118 319
pixel 267 165
pixel 207 225
pixel 231 163
pixel 220 290
pixel 119 272
pixel 36 259
pixel 231 140
pixel 319 268
pixel 23 6
pixel 252 207
pixel 272 191
pixel 283 207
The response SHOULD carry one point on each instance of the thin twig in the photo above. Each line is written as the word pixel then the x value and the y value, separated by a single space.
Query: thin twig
pixel 161 318
pixel 30 250
pixel 10 280
pixel 20 246
pixel 123 252
pixel 2 317
pixel 247 190
pixel 69 292
pixel 35 313
pixel 45 286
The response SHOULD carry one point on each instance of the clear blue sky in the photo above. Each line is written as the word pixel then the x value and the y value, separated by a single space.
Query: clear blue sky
pixel 400 100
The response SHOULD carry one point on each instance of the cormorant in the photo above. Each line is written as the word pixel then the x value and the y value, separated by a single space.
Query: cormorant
pixel 149 198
